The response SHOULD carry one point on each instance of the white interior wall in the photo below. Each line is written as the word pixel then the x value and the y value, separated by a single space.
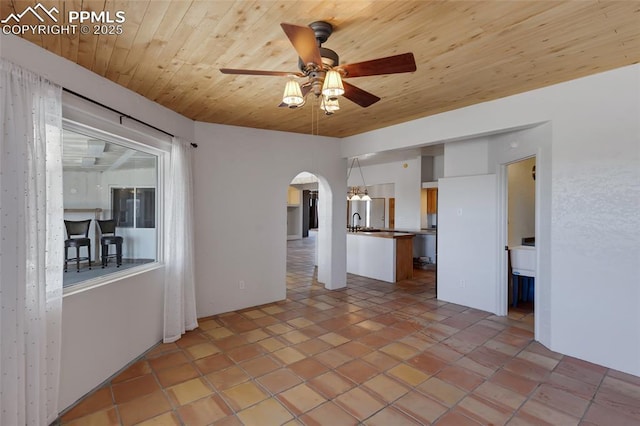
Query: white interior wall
pixel 588 163
pixel 406 187
pixel 240 213
pixel 522 201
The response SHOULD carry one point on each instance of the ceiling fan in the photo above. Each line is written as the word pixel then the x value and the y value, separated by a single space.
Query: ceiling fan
pixel 321 67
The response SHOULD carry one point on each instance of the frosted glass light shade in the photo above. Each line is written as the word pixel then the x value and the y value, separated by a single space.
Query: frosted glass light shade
pixel 292 94
pixel 332 86
pixel 365 197
pixel 330 105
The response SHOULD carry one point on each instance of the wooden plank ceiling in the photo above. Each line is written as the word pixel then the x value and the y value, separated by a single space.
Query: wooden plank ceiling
pixel 466 52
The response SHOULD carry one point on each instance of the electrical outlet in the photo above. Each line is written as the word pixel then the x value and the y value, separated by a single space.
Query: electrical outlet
pixel 463 284
pixel 241 285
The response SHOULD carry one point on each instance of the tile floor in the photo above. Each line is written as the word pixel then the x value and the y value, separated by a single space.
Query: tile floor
pixel 373 354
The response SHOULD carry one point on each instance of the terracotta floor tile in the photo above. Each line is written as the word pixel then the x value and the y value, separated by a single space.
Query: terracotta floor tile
pixel 441 391
pixel 354 349
pixel 319 416
pixel 191 338
pixel 561 400
pixel 188 391
pixel 279 328
pixel 308 368
pixel 168 360
pixel 357 370
pixel 358 403
pixel 420 407
pixel 386 388
pixel 243 395
pixel 620 395
pixel 231 342
pixel 427 363
pixel 527 369
pixel 300 322
pixel 213 363
pixel 260 366
pixel 166 419
pixel 380 360
pixel 254 336
pixel 333 358
pixel 390 416
pixel 174 375
pixel 408 374
pixel 312 346
pixel 471 365
pixel 227 378
pixel 500 395
pixel 97 401
pixel 272 344
pixel 107 417
pixel 288 355
pixel 544 413
pixel 454 418
pixel 514 382
pixel 279 380
pixel 601 415
pixel 333 339
pixel 246 352
pixel 202 350
pixel 483 411
pixel 137 369
pixel 160 349
pixel 330 384
pixel 460 377
pixel 204 411
pixel 144 408
pixel 573 386
pixel 219 333
pixel 301 399
pixel 267 412
pixel 134 388
pixel 399 350
pixel 374 340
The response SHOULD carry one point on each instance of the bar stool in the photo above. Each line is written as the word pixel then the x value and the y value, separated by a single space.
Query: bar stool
pixel 77 227
pixel 109 227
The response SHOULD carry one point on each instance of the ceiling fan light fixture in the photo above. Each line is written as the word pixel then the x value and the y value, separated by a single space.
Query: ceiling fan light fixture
pixel 292 94
pixel 332 87
pixel 329 105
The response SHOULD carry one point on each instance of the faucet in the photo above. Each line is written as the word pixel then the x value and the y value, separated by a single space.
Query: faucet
pixel 353 219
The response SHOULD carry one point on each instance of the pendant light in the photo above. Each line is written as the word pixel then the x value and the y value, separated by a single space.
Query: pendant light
pixel 332 87
pixel 354 193
pixel 292 94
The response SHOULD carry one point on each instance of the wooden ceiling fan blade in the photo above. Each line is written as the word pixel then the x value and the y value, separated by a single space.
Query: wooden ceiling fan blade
pixel 359 96
pixel 389 65
pixel 304 41
pixel 259 72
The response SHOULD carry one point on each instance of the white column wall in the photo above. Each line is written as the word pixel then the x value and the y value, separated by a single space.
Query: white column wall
pixel 241 178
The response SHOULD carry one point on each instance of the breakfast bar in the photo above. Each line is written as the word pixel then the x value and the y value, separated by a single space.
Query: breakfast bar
pixel 385 256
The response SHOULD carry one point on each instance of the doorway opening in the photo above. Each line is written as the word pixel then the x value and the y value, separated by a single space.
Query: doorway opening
pixel 303 223
pixel 521 239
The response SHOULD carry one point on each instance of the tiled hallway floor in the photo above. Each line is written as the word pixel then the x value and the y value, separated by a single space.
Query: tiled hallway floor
pixel 373 353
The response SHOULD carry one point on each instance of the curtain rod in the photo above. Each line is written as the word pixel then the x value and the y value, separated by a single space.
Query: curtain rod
pixel 195 145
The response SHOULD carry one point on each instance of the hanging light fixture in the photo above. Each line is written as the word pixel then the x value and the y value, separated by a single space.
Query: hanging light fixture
pixel 329 106
pixel 354 193
pixel 292 94
pixel 332 87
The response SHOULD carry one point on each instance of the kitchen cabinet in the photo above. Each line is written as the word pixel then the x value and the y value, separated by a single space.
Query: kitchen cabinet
pixel 294 214
pixel 432 200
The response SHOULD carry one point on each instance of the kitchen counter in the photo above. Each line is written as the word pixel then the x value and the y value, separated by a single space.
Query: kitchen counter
pixel 385 255
pixel 384 234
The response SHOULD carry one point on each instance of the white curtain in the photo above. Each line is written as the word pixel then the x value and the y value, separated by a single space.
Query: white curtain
pixel 179 285
pixel 31 246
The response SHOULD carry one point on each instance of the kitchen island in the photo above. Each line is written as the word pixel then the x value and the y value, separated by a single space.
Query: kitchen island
pixel 385 256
